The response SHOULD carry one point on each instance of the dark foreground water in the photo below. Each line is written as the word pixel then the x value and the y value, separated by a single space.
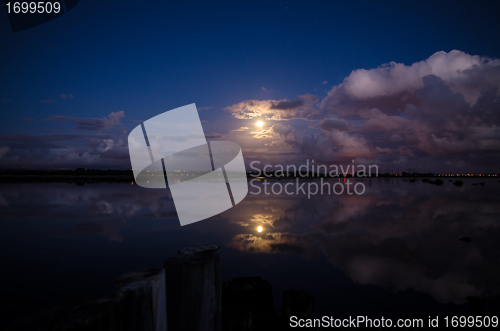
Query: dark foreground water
pixel 393 251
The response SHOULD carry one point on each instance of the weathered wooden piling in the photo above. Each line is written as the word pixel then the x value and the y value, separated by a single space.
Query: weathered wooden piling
pixel 238 318
pixel 249 291
pixel 247 304
pixel 141 301
pixel 296 303
pixel 476 306
pixel 185 296
pixel 92 315
pixel 193 296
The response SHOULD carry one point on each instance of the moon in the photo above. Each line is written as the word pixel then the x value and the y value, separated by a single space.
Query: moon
pixel 260 123
pixel 259 229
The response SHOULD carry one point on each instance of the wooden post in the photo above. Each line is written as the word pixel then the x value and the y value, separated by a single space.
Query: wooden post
pixel 238 318
pixel 248 304
pixel 249 291
pixel 193 283
pixel 192 301
pixel 141 301
pixel 93 315
pixel 476 306
pixel 296 303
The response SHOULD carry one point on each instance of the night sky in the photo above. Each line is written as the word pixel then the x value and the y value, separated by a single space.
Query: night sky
pixel 398 84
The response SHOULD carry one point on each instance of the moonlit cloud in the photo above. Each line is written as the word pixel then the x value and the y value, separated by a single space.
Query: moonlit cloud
pixel 442 109
pixel 464 73
pixel 240 129
pixel 262 133
pixel 438 114
pixel 300 107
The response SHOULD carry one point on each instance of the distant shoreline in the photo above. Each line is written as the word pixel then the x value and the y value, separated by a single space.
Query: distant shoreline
pixel 79 175
pixel 126 176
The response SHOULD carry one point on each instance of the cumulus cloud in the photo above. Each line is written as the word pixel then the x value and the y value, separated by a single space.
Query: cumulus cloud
pixel 279 129
pixel 301 107
pixel 63 150
pixel 92 124
pixel 240 129
pixel 396 137
pixel 4 150
pixel 329 124
pixel 288 104
pixel 91 150
pixel 466 74
pixel 53 141
pixel 282 129
pixel 445 106
pixel 263 133
pixel 213 135
pixel 333 147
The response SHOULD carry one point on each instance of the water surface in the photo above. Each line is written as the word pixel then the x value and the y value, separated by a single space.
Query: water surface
pixel 393 251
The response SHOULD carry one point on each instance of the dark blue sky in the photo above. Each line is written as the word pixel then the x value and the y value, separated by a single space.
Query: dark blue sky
pixel 146 57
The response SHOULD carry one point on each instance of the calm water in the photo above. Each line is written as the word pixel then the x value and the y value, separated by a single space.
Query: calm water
pixel 393 251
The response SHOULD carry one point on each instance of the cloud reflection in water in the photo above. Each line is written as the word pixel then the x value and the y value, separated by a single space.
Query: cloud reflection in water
pixel 398 236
